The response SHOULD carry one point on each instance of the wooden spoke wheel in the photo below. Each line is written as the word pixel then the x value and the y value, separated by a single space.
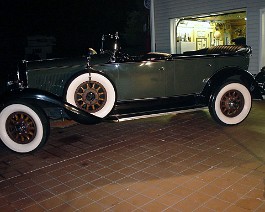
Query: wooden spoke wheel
pixel 230 104
pixel 90 96
pixel 24 128
pixel 91 92
pixel 21 127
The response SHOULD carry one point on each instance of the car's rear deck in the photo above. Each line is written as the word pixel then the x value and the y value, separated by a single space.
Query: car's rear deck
pixel 183 162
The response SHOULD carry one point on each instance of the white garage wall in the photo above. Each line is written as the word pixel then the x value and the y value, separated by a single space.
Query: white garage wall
pixel 165 10
pixel 262 38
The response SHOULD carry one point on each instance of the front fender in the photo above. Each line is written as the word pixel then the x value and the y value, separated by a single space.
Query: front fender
pixel 45 99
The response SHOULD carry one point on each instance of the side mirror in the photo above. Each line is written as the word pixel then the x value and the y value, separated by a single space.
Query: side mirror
pixel 91 52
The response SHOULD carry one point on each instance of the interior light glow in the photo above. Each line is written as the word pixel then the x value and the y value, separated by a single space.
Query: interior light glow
pixel 146 63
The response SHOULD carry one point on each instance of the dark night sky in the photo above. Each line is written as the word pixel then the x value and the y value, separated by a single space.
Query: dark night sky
pixel 76 24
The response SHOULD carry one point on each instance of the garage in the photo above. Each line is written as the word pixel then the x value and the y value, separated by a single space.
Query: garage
pixel 189 25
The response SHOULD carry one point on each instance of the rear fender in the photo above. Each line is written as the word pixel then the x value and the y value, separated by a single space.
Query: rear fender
pixel 235 74
pixel 260 79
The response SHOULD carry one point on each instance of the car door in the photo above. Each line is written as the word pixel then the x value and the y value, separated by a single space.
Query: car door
pixel 188 75
pixel 138 80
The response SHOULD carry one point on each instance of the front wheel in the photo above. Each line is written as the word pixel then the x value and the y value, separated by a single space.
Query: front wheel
pixel 230 104
pixel 24 128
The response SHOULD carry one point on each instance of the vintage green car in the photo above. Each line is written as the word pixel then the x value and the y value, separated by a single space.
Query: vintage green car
pixel 112 84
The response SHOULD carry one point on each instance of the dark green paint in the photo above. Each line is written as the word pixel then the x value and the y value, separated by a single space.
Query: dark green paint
pixel 179 75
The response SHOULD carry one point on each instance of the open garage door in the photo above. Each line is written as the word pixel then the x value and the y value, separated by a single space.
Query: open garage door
pixel 194 33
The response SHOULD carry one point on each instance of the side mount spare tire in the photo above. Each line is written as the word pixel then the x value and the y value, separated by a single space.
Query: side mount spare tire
pixel 230 104
pixel 91 92
pixel 24 128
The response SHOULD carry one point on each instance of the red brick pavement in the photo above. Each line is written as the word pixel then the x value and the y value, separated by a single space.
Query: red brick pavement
pixel 183 162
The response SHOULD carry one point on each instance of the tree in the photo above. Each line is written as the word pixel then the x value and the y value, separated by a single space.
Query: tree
pixel 137 33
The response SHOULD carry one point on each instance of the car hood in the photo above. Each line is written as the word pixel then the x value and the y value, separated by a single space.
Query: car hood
pixel 55 62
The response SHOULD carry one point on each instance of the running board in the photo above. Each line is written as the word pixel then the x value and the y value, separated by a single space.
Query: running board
pixel 131 117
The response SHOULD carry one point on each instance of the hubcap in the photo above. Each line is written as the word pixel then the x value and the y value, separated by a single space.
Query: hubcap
pixel 232 103
pixel 21 127
pixel 90 96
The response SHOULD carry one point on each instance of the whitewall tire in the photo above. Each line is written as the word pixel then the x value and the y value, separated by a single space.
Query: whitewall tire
pixel 230 104
pixel 23 128
pixel 93 93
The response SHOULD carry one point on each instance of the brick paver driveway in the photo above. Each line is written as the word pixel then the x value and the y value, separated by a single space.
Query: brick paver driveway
pixel 182 162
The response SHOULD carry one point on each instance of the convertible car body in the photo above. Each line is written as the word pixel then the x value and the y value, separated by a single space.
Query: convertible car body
pixel 115 85
pixel 155 82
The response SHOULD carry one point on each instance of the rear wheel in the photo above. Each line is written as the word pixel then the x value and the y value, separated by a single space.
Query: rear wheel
pixel 230 104
pixel 24 128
